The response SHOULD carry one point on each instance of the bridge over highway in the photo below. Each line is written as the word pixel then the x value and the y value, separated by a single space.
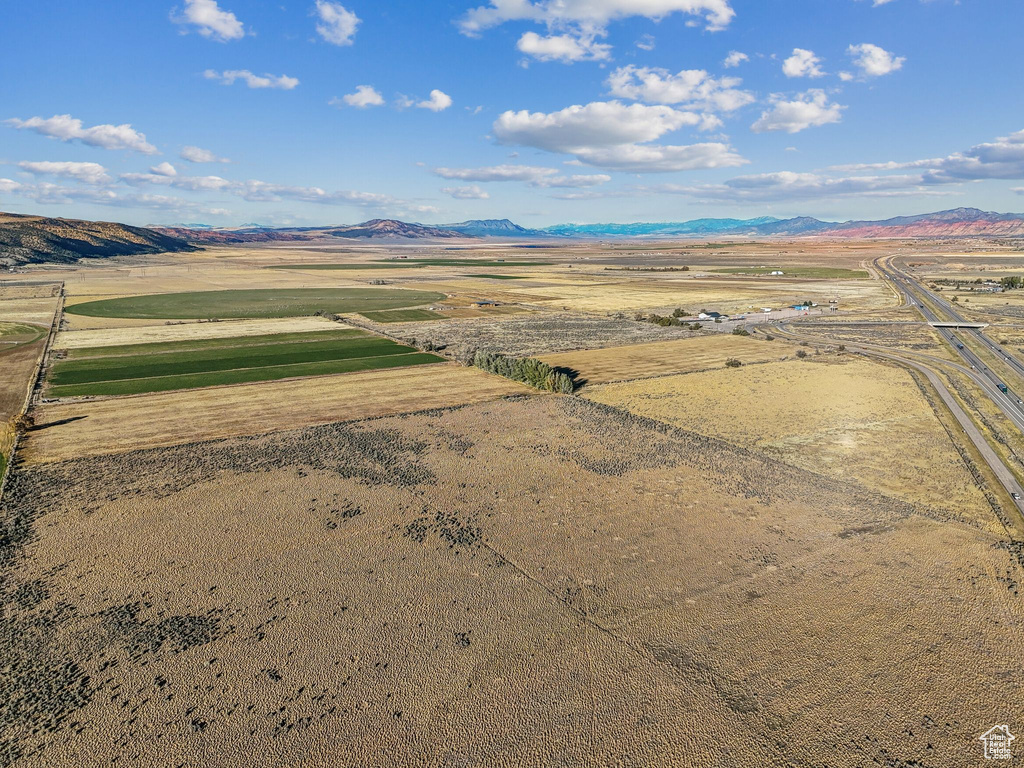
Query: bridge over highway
pixel 977 326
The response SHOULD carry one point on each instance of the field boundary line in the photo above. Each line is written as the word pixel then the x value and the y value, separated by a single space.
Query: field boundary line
pixel 32 390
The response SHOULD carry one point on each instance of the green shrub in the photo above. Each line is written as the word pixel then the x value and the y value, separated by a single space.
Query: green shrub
pixel 740 331
pixel 800 353
pixel 732 362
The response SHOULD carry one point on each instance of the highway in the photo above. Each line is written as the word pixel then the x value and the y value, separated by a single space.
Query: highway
pixel 973 368
pixel 1009 402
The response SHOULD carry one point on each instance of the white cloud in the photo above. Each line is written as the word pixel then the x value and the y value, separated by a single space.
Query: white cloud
pixel 1000 159
pixel 874 61
pixel 599 123
pixel 337 24
pixel 211 21
pixel 802 63
pixel 787 185
pixel 88 173
pixel 68 128
pixel 438 101
pixel 164 169
pixel 591 15
pixel 198 155
pixel 258 191
pixel 496 173
pixel 564 48
pixel 613 135
pixel 162 177
pixel 646 43
pixel 472 192
pixel 693 87
pixel 7 186
pixel 808 110
pixel 734 59
pixel 365 96
pixel 229 76
pixel 535 176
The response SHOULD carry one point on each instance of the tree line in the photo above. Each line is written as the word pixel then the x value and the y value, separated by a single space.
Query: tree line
pixel 528 370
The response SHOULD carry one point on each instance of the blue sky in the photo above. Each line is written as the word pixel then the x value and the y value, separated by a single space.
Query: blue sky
pixel 542 111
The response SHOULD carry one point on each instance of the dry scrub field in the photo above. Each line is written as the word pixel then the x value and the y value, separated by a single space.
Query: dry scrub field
pixel 66 430
pixel 191 331
pixel 640 361
pixel 531 582
pixel 848 418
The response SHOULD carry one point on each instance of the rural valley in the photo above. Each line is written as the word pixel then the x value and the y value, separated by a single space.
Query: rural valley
pixel 317 501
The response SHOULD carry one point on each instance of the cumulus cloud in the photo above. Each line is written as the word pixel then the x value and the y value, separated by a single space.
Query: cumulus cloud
pixel 802 63
pixel 535 176
pixel 88 173
pixel 693 87
pixel 164 169
pixel 336 24
pixel 199 155
pixel 230 76
pixel 734 59
pixel 615 136
pixel 210 20
pixel 874 61
pixel 68 128
pixel 807 110
pixel 593 15
pixel 1002 158
pixel 472 192
pixel 364 96
pixel 565 48
pixel 438 101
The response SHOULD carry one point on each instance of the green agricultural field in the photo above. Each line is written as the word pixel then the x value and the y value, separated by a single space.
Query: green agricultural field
pixel 497 277
pixel 272 302
pixel 169 366
pixel 467 263
pixel 390 265
pixel 811 272
pixel 402 315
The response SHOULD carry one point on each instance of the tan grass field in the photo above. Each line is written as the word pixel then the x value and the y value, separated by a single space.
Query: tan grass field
pixel 36 311
pixel 729 295
pixel 661 358
pixel 533 582
pixel 190 331
pixel 851 419
pixel 88 428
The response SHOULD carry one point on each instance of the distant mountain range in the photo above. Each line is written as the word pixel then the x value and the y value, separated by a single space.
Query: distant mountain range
pixel 36 239
pixel 389 229
pixel 960 222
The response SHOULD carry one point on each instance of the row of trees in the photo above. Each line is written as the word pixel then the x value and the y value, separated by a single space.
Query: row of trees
pixel 528 370
pixel 1012 283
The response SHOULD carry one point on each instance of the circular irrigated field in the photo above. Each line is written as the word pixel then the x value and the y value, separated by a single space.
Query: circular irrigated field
pixel 273 302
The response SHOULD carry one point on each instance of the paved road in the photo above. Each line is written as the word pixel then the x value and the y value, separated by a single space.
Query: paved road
pixel 972 367
pixel 1009 402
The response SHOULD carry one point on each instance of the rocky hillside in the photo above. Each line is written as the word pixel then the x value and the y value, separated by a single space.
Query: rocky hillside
pixel 39 240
